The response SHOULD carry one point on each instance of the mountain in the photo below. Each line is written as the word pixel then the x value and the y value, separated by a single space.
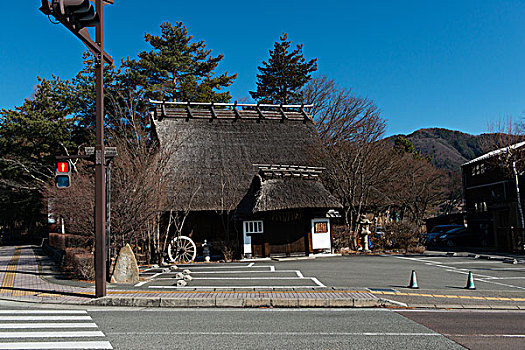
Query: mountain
pixel 449 149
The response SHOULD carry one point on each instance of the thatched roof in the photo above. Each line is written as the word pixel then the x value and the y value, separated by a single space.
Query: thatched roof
pixel 278 188
pixel 215 154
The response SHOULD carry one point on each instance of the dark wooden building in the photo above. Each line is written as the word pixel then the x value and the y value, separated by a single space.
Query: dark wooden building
pixel 248 175
pixel 491 200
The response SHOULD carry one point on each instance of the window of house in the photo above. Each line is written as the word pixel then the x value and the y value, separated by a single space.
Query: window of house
pixel 478 169
pixel 255 226
pixel 321 227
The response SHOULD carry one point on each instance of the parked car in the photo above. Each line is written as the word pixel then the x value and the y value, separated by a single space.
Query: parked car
pixel 458 237
pixel 430 238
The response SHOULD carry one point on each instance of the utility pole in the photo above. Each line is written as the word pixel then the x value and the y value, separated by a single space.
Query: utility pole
pixel 100 163
pixel 76 15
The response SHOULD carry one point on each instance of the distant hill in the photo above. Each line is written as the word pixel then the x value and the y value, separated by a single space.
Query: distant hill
pixel 448 148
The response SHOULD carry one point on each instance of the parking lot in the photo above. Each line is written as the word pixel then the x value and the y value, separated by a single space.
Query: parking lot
pixel 441 278
pixel 233 275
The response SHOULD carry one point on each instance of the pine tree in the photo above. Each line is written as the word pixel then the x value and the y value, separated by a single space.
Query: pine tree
pixel 178 68
pixel 285 73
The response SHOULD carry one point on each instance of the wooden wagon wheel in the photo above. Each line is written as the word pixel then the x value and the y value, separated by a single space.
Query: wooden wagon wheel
pixel 182 249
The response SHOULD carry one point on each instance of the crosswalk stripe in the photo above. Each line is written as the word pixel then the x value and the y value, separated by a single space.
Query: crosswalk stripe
pixel 69 326
pixel 45 318
pixel 51 334
pixel 57 345
pixel 46 325
pixel 48 312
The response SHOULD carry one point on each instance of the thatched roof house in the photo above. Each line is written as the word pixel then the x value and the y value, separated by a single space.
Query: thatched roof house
pixel 251 162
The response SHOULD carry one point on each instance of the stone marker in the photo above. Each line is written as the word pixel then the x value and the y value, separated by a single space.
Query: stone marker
pixel 126 268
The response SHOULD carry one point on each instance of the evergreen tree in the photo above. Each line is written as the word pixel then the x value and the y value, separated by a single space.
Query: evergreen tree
pixel 178 68
pixel 31 135
pixel 285 73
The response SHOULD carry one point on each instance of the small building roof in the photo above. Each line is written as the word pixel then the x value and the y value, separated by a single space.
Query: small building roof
pixel 216 150
pixel 281 189
pixel 495 153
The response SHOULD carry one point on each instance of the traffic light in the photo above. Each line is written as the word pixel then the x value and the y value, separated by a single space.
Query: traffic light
pixel 63 174
pixel 79 13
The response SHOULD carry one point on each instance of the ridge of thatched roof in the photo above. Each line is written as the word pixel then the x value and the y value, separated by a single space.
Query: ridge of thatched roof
pixel 203 110
pixel 214 159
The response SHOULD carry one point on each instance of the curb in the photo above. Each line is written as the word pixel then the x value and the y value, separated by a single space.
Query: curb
pixel 241 302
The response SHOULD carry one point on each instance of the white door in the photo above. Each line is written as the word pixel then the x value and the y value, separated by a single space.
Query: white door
pixel 249 228
pixel 321 234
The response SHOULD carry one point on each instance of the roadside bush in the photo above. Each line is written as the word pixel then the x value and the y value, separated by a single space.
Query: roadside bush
pixel 80 263
pixel 62 241
pixel 404 234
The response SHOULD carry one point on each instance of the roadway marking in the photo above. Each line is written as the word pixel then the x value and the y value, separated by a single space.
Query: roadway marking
pixel 477 276
pixel 366 334
pixel 249 269
pixel 448 296
pixel 46 325
pixel 72 334
pixel 54 330
pixel 45 318
pixel 57 345
pixel 2 312
pixel 236 287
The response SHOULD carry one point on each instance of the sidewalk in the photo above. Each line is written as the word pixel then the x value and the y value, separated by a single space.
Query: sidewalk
pixel 23 272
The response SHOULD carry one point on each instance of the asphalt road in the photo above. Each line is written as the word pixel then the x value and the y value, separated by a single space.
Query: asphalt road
pixel 475 329
pixel 153 328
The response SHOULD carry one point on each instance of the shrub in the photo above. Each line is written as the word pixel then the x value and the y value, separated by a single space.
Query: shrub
pixel 80 262
pixel 405 234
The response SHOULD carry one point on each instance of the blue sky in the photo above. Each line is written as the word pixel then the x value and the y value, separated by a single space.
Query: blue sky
pixel 451 64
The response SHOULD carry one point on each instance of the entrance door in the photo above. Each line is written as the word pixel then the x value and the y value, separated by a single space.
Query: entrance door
pixel 250 228
pixel 321 234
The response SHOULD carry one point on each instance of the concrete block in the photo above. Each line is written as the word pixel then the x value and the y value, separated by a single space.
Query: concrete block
pixel 341 302
pixel 282 302
pixel 474 306
pixel 305 302
pixel 201 302
pixel 229 302
pixel 257 302
pixel 146 302
pixel 173 302
pixel 367 303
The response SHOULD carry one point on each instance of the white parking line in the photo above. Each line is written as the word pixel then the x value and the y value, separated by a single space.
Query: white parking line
pixel 250 278
pixel 316 281
pixel 237 287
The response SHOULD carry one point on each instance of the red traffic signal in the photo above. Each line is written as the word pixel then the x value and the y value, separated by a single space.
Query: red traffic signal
pixel 62 167
pixel 63 174
pixel 79 13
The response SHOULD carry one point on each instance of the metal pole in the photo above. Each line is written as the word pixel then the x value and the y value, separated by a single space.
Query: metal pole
pixel 100 186
pixel 108 220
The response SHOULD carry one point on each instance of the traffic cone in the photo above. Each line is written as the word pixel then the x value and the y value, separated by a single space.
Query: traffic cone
pixel 413 281
pixel 470 281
